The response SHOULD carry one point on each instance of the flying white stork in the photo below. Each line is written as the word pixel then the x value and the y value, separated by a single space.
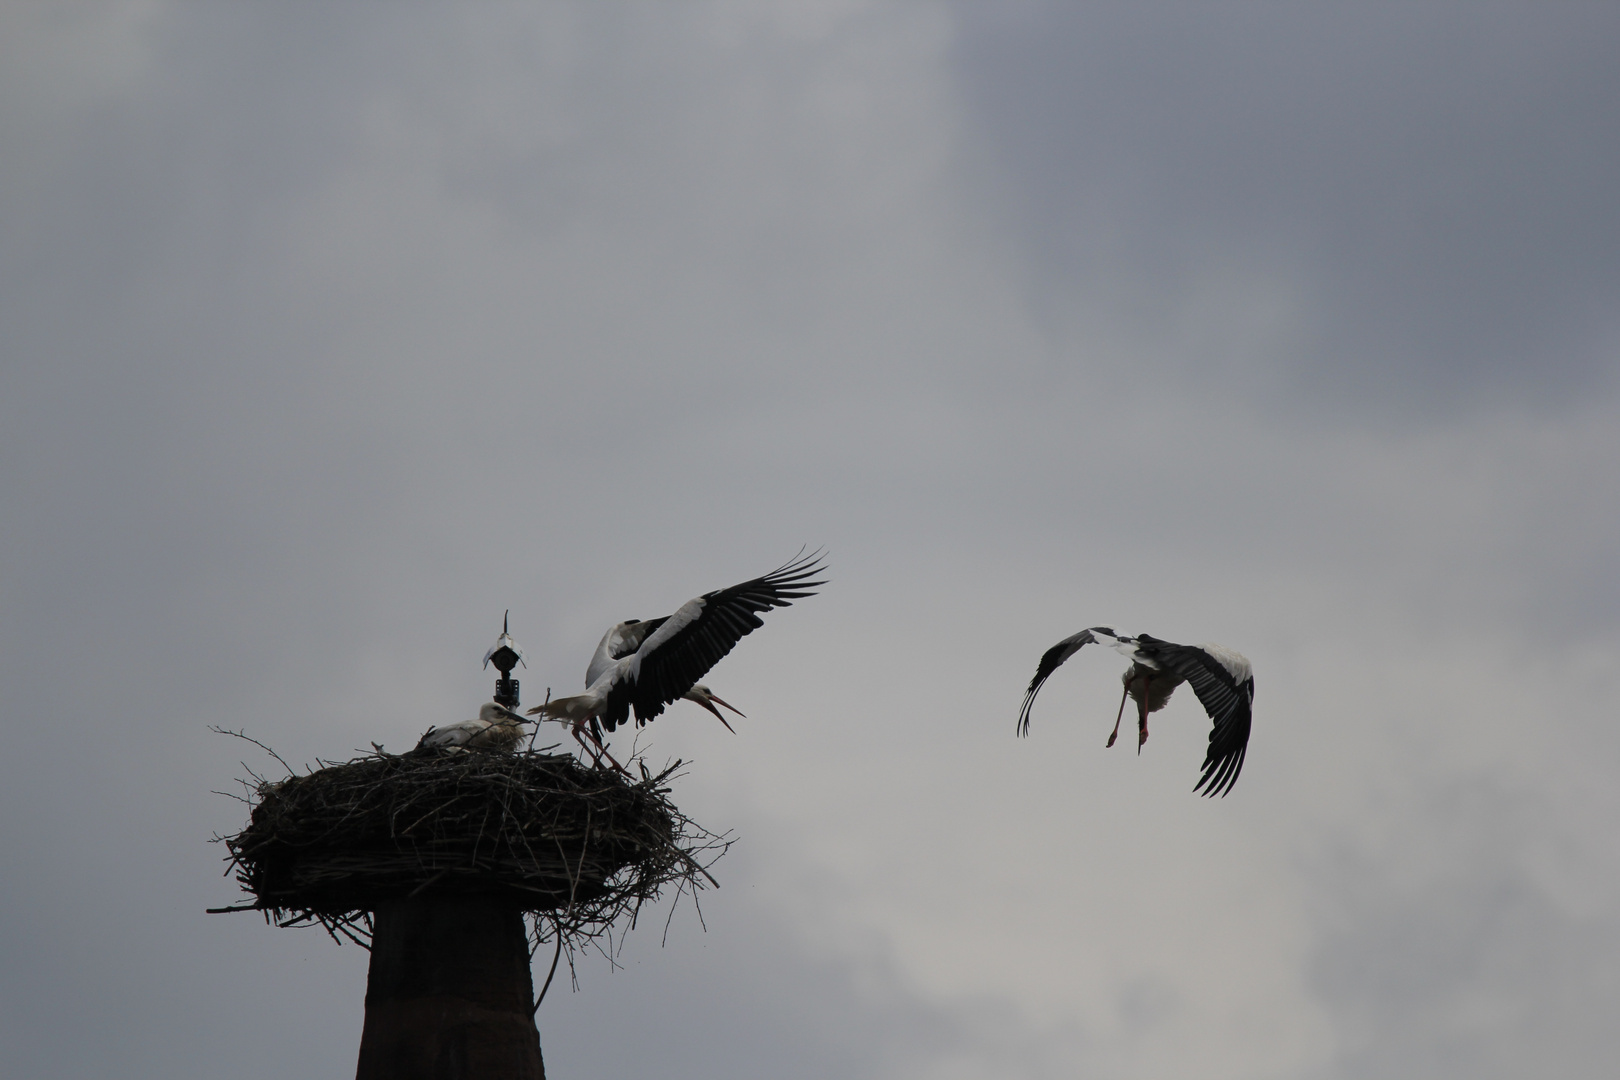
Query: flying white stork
pixel 1222 679
pixel 494 728
pixel 623 639
pixel 645 664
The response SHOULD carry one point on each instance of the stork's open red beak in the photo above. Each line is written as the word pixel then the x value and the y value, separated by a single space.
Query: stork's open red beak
pixel 720 701
pixel 713 700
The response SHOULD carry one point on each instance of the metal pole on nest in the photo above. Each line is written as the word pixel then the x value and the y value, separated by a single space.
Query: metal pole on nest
pixel 506 655
pixel 449 995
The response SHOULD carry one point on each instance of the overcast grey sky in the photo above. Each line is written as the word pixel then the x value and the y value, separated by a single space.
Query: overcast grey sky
pixel 331 332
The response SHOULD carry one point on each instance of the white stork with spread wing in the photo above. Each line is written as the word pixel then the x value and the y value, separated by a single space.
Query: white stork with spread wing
pixel 623 639
pixel 644 665
pixel 1222 679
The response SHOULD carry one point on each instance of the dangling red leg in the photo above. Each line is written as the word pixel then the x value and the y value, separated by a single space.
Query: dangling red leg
pixel 1141 716
pixel 1115 733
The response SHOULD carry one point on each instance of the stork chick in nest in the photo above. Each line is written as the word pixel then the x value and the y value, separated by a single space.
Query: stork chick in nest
pixel 494 728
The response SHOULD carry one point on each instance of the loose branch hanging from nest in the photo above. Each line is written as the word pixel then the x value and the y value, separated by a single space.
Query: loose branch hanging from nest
pixel 577 849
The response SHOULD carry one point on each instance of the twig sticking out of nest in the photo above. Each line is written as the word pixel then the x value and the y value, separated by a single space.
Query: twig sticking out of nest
pixel 575 848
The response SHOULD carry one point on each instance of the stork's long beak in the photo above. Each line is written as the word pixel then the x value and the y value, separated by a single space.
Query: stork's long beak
pixel 711 701
pixel 721 701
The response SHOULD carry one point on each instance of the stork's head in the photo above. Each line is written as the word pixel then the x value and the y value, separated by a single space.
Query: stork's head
pixel 708 699
pixel 492 712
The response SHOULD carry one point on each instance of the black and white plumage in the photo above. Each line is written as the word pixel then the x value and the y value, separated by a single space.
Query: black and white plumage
pixel 623 639
pixel 1222 679
pixel 494 728
pixel 644 665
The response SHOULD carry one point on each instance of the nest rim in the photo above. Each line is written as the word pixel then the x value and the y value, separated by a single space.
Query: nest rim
pixel 576 846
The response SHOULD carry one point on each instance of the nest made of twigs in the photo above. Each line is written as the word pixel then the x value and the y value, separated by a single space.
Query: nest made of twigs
pixel 581 845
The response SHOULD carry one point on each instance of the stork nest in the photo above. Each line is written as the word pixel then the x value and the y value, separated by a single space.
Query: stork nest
pixel 574 847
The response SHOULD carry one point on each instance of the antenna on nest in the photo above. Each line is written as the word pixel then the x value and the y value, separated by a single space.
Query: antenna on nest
pixel 506 655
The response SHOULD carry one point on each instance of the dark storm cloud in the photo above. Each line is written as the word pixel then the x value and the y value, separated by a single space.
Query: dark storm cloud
pixel 1434 182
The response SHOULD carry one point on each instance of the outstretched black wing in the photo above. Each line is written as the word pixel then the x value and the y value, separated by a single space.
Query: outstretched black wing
pixel 1051 660
pixel 691 641
pixel 1227 696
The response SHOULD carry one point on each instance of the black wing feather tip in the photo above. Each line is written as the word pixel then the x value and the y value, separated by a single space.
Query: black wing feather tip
pixel 1050 661
pixel 1219 776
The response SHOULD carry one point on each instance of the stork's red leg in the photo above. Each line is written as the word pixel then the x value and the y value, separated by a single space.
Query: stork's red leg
pixel 1141 716
pixel 574 730
pixel 1118 716
pixel 598 752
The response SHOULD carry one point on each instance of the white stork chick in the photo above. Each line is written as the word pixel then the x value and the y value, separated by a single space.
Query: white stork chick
pixel 647 664
pixel 1222 679
pixel 494 728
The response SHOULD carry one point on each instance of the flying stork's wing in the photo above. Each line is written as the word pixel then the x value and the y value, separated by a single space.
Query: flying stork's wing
pixel 1224 684
pixel 1051 660
pixel 690 642
pixel 633 640
pixel 620 641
